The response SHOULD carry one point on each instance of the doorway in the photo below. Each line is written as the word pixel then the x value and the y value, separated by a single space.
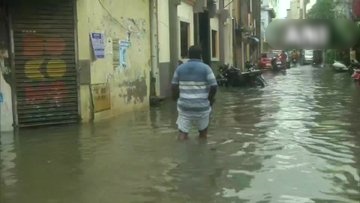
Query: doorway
pixel 205 36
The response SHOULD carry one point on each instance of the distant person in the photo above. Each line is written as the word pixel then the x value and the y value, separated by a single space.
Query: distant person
pixel 283 57
pixel 194 88
pixel 294 55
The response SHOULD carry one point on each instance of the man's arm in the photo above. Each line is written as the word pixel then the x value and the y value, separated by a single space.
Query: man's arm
pixel 213 86
pixel 175 89
pixel 212 93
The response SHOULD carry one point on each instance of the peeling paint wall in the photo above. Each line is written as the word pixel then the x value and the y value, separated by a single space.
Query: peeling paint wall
pixel 119 20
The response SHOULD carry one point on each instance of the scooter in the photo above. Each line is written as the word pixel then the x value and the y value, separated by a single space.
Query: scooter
pixel 277 65
pixel 356 75
pixel 233 77
pixel 255 77
pixel 339 67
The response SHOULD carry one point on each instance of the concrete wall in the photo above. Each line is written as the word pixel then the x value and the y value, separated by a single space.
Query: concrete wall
pixel 295 9
pixel 264 22
pixel 118 20
pixel 228 40
pixel 164 47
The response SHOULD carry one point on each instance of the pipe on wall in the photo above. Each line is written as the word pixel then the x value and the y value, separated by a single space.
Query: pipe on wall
pixel 155 77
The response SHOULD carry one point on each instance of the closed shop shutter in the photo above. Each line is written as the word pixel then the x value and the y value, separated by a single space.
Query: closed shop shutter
pixel 45 65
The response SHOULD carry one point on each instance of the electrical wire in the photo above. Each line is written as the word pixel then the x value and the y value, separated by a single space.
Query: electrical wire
pixel 228 3
pixel 109 13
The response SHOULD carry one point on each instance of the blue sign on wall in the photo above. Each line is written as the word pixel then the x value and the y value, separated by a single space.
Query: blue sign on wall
pixel 98 44
pixel 1 98
pixel 124 45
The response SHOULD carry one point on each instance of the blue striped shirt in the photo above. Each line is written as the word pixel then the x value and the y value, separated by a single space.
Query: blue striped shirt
pixel 194 79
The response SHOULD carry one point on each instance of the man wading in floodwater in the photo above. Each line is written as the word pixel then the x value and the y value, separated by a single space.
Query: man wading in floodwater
pixel 194 87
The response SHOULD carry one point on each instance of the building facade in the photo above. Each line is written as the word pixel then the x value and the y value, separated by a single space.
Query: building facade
pixel 55 73
pixel 77 61
pixel 267 15
pixel 298 9
pixel 181 24
pixel 247 32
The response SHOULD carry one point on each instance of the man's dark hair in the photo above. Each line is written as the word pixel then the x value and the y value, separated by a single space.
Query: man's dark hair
pixel 195 52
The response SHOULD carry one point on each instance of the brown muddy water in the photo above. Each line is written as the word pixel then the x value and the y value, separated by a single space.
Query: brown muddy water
pixel 296 141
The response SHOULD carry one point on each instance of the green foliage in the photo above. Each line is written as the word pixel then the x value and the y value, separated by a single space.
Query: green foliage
pixel 322 9
pixel 339 55
pixel 330 56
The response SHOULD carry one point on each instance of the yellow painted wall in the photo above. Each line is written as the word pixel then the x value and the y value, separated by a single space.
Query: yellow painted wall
pixel 129 87
pixel 163 31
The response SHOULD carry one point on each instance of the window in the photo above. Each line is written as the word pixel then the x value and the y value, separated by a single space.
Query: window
pixel 184 37
pixel 214 43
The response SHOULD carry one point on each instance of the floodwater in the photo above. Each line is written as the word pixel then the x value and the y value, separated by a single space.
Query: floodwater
pixel 296 141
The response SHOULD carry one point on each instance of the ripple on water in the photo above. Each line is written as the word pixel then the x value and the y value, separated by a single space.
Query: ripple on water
pixel 295 141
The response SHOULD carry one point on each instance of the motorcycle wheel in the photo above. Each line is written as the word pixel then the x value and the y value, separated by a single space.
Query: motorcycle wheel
pixel 260 82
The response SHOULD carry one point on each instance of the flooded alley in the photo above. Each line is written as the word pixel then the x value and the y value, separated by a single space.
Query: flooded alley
pixel 295 141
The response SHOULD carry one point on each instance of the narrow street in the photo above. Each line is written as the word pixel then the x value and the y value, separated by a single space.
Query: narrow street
pixel 295 141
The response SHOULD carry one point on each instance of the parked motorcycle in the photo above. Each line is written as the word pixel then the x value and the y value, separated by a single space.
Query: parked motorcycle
pixel 254 75
pixel 233 77
pixel 228 76
pixel 339 67
pixel 354 64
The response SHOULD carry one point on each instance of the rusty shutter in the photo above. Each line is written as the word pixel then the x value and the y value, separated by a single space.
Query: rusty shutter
pixel 45 65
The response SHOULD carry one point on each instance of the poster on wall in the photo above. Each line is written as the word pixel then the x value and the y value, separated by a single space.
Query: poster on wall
pixel 98 44
pixel 123 47
pixel 101 97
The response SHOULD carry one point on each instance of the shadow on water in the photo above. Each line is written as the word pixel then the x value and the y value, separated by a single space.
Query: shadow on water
pixel 297 140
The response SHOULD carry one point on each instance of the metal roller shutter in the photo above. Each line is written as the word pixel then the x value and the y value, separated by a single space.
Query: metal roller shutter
pixel 45 65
